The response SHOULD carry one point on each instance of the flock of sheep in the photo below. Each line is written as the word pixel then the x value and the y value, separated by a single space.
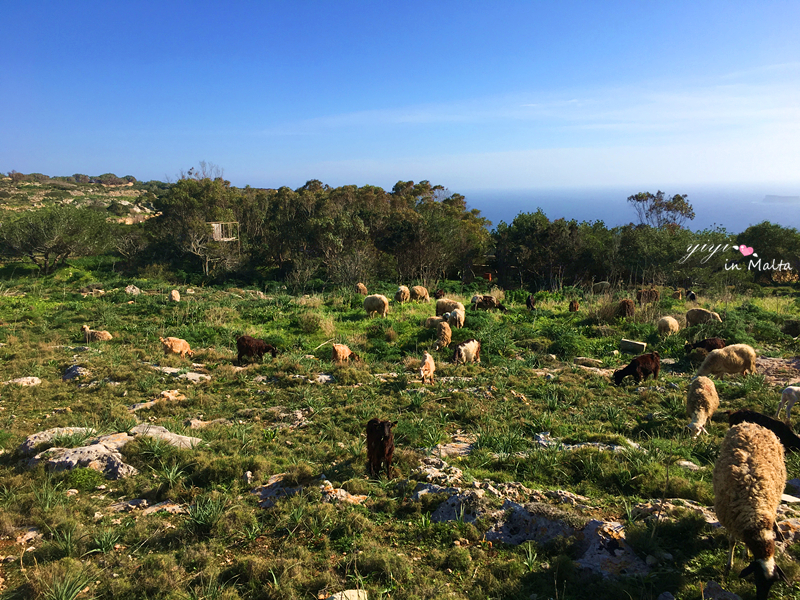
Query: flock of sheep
pixel 749 475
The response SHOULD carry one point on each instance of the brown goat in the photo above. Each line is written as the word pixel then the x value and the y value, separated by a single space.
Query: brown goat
pixel 254 348
pixel 380 446
pixel 639 368
pixel 574 306
pixel 707 344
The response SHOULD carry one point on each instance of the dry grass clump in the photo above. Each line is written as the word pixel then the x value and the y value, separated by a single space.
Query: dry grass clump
pixel 499 294
pixel 218 316
pixel 309 301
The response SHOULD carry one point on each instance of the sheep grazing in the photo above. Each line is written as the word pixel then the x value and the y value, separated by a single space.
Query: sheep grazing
pixel 707 344
pixel 639 368
pixel 697 316
pixel 677 295
pixel 420 294
pixel 175 296
pixel 486 302
pixel 626 308
pixel 601 287
pixel 574 306
pixel 341 353
pixel 530 303
pixel 432 322
pixel 361 289
pixel 376 304
pixel 749 478
pixel 402 295
pixel 94 335
pixel 702 402
pixel 457 318
pixel 380 446
pixel 690 295
pixel 428 368
pixel 730 360
pixel 647 296
pixel 788 397
pixel 444 336
pixel 439 294
pixel 668 326
pixel 173 345
pixel 444 305
pixel 467 352
pixel 787 437
pixel 252 347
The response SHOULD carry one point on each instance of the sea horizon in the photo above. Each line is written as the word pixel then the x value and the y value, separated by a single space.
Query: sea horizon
pixel 734 207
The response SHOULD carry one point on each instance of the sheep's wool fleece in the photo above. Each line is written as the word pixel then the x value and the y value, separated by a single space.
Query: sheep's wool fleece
pixel 733 359
pixel 703 397
pixel 749 478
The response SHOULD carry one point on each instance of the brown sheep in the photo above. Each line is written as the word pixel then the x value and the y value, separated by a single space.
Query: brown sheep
pixel 341 353
pixel 420 294
pixel 94 335
pixel 626 308
pixel 439 294
pixel 173 345
pixel 380 446
pixel 361 289
pixel 427 369
pixel 697 316
pixel 574 306
pixel 444 335
pixel 707 344
pixel 647 296
pixel 530 303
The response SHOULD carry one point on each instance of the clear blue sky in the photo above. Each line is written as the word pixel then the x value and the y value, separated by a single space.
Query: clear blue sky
pixel 465 94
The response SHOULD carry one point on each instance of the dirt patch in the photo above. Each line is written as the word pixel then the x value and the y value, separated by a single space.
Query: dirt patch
pixel 779 371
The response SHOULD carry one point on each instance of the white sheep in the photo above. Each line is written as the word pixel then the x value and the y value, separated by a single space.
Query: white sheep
pixel 788 397
pixel 175 296
pixel 457 317
pixel 749 478
pixel 94 335
pixel 730 360
pixel 696 316
pixel 668 326
pixel 402 294
pixel 376 303
pixel 467 352
pixel 420 294
pixel 444 305
pixel 444 335
pixel 428 368
pixel 701 403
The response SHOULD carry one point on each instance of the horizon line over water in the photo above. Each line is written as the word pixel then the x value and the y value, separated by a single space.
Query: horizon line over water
pixel 734 207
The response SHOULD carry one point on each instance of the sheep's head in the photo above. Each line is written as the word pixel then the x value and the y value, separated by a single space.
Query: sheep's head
pixel 765 573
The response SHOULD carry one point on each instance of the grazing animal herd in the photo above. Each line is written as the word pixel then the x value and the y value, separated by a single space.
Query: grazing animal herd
pixel 749 475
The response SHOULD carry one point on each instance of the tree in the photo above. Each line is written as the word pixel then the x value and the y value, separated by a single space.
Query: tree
pixel 658 211
pixel 49 236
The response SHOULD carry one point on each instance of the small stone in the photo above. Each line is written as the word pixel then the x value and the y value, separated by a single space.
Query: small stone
pixel 132 290
pixel 24 381
pixel 688 465
pixel 248 477
pixel 651 560
pixel 72 492
pixel 665 596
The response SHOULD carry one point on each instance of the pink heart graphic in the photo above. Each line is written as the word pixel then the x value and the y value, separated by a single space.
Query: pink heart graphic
pixel 745 250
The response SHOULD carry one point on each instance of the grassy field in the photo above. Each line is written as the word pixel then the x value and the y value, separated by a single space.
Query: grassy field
pixel 225 546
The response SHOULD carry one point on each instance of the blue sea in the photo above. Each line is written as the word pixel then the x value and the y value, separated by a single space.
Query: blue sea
pixel 733 207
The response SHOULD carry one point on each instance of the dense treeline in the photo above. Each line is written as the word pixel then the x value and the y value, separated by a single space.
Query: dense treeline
pixel 318 235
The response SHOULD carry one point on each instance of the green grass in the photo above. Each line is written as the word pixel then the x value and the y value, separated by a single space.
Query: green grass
pixel 225 546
